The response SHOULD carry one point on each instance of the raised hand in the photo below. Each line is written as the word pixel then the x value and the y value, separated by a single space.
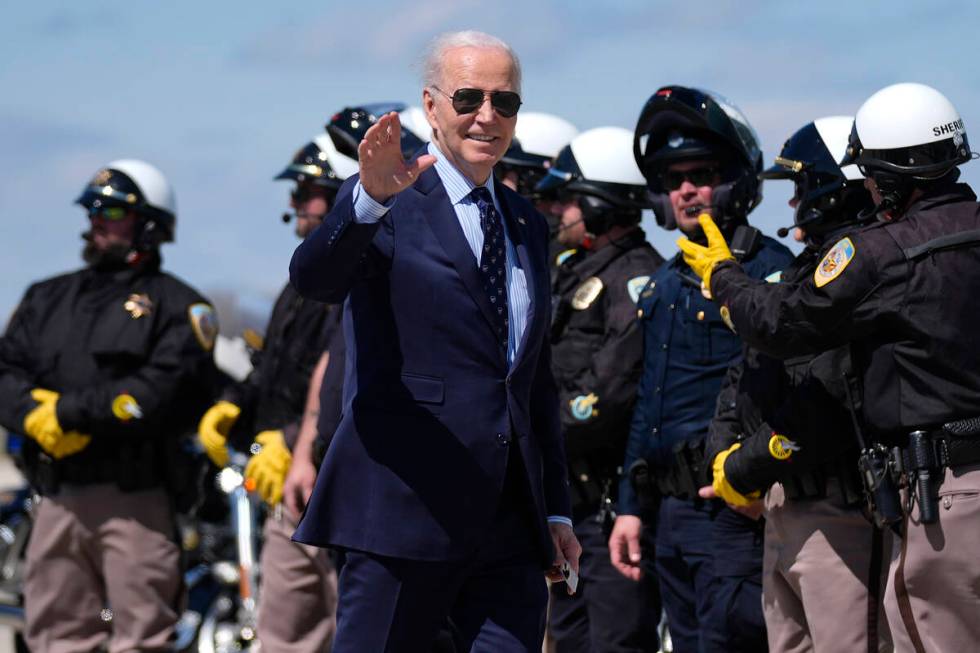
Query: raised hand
pixel 384 172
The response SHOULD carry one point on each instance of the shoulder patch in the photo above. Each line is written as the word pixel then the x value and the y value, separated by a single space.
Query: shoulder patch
pixel 636 285
pixel 561 258
pixel 586 293
pixel 834 262
pixel 204 322
pixel 775 277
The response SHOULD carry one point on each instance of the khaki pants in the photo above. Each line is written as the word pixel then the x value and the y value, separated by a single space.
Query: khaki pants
pixel 936 583
pixel 95 548
pixel 298 595
pixel 816 571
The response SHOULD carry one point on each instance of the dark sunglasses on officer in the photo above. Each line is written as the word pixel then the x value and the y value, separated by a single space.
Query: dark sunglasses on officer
pixel 469 100
pixel 674 179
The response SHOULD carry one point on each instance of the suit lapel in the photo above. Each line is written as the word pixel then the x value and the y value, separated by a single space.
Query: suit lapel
pixel 441 218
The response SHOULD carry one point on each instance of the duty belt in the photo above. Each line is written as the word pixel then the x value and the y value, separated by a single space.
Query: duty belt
pixel 681 480
pixel 929 453
pixel 813 484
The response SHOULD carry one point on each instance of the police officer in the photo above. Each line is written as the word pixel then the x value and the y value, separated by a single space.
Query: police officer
pixel 537 140
pixel 104 369
pixel 299 582
pixel 699 155
pixel 596 353
pixel 902 293
pixel 787 427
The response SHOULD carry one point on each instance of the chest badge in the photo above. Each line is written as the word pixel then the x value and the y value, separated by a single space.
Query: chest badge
pixel 834 262
pixel 138 305
pixel 586 293
pixel 204 322
pixel 636 285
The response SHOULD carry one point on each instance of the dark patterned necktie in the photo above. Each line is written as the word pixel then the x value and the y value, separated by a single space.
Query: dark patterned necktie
pixel 493 260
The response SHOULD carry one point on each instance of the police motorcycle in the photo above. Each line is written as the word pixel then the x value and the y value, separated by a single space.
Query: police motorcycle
pixel 223 580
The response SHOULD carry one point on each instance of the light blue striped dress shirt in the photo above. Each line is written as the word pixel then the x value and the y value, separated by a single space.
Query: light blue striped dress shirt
pixel 458 188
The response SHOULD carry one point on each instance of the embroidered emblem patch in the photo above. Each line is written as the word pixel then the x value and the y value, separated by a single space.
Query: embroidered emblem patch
pixel 586 293
pixel 583 406
pixel 636 285
pixel 125 408
pixel 204 322
pixel 138 305
pixel 781 447
pixel 775 277
pixel 834 262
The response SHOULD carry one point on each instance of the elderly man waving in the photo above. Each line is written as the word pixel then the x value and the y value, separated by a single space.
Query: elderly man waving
pixel 445 481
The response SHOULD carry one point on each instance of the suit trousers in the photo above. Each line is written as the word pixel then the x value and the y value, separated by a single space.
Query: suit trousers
pixel 933 592
pixel 103 570
pixel 496 598
pixel 823 569
pixel 298 598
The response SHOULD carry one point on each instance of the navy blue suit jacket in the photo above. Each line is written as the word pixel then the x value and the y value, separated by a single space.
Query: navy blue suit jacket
pixel 431 409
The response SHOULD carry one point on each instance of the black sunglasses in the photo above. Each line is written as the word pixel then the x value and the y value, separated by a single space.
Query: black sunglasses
pixel 673 179
pixel 468 100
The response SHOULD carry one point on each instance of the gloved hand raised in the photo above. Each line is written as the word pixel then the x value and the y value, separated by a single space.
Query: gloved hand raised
pixel 701 258
pixel 268 467
pixel 213 430
pixel 41 425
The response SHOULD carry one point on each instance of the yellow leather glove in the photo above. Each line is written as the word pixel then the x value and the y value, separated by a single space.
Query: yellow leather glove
pixel 269 466
pixel 701 258
pixel 213 430
pixel 721 485
pixel 41 424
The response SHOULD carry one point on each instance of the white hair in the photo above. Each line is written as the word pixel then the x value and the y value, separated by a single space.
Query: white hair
pixel 432 61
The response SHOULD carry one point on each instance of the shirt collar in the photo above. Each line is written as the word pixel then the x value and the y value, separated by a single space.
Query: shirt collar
pixel 458 186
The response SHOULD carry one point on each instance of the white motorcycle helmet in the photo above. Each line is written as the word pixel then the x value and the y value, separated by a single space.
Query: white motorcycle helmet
pixel 413 118
pixel 538 137
pixel 136 185
pixel 906 135
pixel 598 169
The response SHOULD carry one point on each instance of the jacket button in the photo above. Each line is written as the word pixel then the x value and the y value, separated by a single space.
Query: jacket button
pixel 502 440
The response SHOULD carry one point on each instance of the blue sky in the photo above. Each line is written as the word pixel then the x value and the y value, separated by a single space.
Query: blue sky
pixel 220 94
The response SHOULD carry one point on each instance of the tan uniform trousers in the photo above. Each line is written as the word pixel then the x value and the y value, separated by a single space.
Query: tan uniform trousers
pixel 95 548
pixel 815 575
pixel 298 595
pixel 936 583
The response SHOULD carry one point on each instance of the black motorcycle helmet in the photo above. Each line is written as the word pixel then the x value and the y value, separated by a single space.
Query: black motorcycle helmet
pixel 311 164
pixel 348 126
pixel 831 198
pixel 679 123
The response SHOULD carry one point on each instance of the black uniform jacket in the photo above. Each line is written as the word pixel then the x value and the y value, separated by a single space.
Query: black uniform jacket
pixel 96 336
pixel 597 348
pixel 273 395
pixel 802 399
pixel 907 304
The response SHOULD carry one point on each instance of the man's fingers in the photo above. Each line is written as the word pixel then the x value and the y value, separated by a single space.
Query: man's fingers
pixel 633 547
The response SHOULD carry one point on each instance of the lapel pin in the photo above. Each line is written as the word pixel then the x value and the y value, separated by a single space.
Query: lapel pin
pixel 521 220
